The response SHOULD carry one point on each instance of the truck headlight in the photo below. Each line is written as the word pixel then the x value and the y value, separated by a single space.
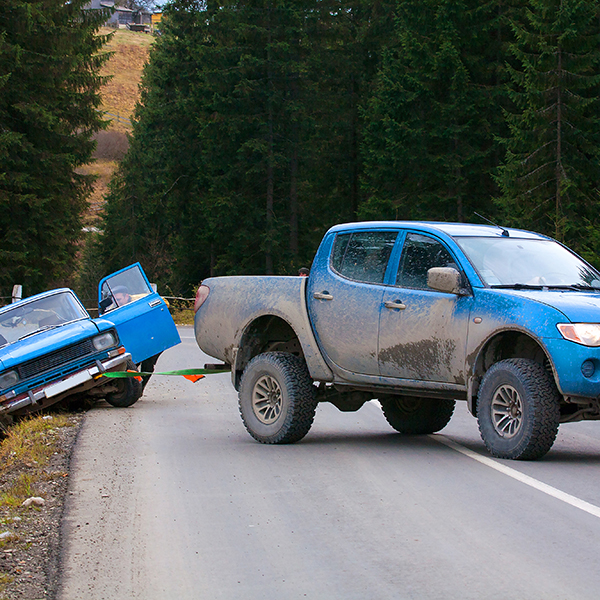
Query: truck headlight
pixel 8 379
pixel 587 334
pixel 104 341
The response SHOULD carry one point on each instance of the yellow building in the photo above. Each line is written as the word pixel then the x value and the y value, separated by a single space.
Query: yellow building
pixel 156 17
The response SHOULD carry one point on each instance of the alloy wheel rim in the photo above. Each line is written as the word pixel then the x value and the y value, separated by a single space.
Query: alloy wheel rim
pixel 267 400
pixel 507 411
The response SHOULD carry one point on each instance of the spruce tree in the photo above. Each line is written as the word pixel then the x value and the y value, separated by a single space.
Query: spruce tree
pixel 551 175
pixel 218 177
pixel 151 197
pixel 49 82
pixel 430 125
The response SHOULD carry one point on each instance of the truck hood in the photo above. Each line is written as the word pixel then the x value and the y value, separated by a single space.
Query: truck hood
pixel 578 307
pixel 45 342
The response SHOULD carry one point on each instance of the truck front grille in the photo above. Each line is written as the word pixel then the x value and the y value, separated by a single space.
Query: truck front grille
pixel 56 359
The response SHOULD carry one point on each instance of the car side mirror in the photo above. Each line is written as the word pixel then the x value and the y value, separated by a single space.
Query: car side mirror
pixel 445 279
pixel 104 304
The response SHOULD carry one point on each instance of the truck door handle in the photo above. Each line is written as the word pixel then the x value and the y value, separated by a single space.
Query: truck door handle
pixel 322 296
pixel 397 304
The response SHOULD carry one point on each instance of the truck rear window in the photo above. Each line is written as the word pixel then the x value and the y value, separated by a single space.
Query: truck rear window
pixel 363 256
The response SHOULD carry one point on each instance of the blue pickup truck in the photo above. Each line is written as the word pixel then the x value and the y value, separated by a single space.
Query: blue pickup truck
pixel 416 315
pixel 51 349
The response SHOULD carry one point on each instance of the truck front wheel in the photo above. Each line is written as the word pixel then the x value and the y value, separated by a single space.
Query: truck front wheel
pixel 416 415
pixel 518 409
pixel 277 398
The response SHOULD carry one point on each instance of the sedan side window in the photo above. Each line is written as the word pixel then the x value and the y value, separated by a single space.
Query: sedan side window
pixel 122 288
pixel 363 256
pixel 419 254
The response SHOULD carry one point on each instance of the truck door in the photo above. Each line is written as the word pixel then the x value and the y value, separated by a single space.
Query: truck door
pixel 423 332
pixel 142 319
pixel 344 298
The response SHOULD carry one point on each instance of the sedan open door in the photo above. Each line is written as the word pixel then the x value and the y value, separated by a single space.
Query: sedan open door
pixel 142 318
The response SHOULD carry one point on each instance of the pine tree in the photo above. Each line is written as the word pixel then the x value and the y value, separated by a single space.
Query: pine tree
pixel 150 197
pixel 218 177
pixel 429 143
pixel 246 141
pixel 551 173
pixel 49 81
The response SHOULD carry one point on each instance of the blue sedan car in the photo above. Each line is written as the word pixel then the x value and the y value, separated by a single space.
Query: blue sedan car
pixel 50 347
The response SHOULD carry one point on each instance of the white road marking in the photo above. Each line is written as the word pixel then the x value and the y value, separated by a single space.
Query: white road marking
pixel 526 479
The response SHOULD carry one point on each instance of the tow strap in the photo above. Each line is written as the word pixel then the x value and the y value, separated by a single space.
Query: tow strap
pixel 192 374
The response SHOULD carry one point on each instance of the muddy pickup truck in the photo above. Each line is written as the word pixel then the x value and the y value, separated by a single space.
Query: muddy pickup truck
pixel 416 315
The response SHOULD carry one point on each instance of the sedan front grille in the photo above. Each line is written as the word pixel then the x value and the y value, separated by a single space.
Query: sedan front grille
pixel 56 359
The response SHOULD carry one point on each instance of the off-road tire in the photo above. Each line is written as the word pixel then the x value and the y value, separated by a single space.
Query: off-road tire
pixel 417 416
pixel 128 392
pixel 518 409
pixel 277 398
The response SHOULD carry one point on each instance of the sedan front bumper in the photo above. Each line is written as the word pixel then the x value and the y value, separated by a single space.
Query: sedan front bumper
pixel 57 390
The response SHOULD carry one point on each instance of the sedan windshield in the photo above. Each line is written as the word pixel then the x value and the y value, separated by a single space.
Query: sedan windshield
pixel 25 319
pixel 516 262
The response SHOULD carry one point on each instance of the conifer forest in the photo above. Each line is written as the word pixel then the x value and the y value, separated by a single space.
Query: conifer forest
pixel 264 122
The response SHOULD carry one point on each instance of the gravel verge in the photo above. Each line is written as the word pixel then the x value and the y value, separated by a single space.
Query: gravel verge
pixel 30 550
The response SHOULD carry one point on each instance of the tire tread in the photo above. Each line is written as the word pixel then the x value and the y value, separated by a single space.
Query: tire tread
pixel 301 392
pixel 541 388
pixel 433 415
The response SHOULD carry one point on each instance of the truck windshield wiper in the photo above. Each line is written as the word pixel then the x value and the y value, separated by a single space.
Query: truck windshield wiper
pixel 578 287
pixel 518 286
pixel 583 287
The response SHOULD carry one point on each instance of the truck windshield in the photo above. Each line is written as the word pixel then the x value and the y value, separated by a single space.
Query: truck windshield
pixel 27 318
pixel 514 262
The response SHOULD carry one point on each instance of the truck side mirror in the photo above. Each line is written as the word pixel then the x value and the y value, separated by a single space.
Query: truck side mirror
pixel 444 279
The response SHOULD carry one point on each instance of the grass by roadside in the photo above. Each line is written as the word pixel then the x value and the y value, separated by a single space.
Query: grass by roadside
pixel 34 458
pixel 28 445
pixel 183 316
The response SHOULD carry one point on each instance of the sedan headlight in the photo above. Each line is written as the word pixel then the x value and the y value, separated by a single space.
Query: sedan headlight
pixel 105 341
pixel 587 334
pixel 8 379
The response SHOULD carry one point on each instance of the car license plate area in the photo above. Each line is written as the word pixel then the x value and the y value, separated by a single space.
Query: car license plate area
pixel 66 384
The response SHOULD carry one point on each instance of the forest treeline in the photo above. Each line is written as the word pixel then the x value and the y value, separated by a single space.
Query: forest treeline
pixel 262 123
pixel 50 60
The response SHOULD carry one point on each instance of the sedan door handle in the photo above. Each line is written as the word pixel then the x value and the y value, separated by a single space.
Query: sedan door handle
pixel 322 296
pixel 394 304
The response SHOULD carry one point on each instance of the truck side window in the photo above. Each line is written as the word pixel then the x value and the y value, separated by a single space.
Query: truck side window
pixel 419 254
pixel 363 256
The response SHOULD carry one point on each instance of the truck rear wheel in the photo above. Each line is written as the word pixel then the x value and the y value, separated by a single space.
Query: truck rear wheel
pixel 518 409
pixel 277 398
pixel 417 416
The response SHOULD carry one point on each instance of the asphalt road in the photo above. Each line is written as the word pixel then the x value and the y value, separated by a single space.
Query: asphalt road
pixel 172 499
